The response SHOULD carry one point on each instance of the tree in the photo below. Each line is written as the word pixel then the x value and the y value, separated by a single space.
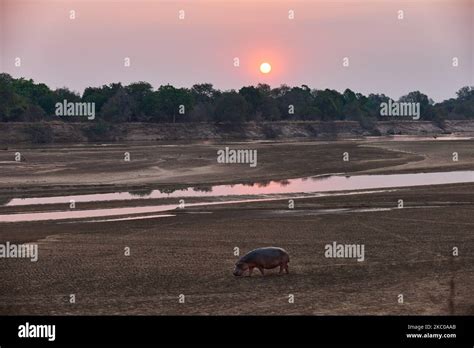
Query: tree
pixel 23 100
pixel 280 91
pixel 254 98
pixel 465 93
pixel 373 103
pixel 269 109
pixel 426 109
pixel 100 95
pixel 38 94
pixel 171 101
pixel 140 94
pixel 204 93
pixel 202 112
pixel 16 107
pixel 118 108
pixel 330 103
pixel 231 107
pixel 297 103
pixel 61 94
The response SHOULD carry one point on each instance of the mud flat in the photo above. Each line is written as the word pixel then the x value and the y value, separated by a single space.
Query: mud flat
pixel 408 250
pixel 101 168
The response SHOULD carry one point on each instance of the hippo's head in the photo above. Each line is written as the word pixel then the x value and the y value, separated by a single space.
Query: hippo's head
pixel 240 268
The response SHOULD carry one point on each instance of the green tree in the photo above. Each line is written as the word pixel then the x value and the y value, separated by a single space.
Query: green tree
pixel 204 93
pixel 426 104
pixel 38 94
pixel 141 93
pixel 117 108
pixel 231 107
pixel 171 101
pixel 254 98
pixel 100 95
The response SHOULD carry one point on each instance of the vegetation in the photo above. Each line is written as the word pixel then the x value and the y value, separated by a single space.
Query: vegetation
pixel 24 100
pixel 99 131
pixel 40 133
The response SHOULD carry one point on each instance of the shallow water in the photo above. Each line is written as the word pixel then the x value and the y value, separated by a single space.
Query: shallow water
pixel 134 211
pixel 272 190
pixel 302 185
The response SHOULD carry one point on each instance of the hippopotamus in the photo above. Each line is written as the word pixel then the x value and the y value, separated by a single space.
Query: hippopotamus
pixel 262 258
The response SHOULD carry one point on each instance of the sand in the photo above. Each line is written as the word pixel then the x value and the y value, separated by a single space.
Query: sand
pixel 409 251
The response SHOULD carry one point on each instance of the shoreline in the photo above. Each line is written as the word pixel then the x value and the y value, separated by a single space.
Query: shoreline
pixel 17 133
pixel 100 169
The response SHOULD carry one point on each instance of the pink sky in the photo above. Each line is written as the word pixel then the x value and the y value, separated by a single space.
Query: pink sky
pixel 386 55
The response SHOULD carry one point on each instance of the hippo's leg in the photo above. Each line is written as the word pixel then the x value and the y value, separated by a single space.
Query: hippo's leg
pixel 286 269
pixel 250 271
pixel 261 270
pixel 281 269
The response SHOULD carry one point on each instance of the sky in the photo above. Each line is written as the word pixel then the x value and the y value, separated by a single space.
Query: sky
pixel 386 54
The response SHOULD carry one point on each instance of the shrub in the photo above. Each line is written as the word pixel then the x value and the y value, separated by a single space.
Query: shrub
pixel 367 123
pixel 40 133
pixel 99 131
pixel 269 132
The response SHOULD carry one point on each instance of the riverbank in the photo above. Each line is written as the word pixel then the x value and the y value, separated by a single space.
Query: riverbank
pixel 74 133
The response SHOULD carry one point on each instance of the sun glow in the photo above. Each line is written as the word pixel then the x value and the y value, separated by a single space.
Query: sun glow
pixel 265 68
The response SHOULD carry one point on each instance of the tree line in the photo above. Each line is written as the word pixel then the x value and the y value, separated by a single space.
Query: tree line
pixel 23 100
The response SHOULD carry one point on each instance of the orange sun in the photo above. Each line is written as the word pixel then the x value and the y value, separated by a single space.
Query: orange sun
pixel 265 68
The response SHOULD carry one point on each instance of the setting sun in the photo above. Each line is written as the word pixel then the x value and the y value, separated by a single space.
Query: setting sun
pixel 265 68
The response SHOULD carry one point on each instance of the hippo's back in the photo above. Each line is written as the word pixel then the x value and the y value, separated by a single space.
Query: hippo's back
pixel 267 254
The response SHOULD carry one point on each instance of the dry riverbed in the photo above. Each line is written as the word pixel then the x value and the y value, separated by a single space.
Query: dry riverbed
pixel 408 251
